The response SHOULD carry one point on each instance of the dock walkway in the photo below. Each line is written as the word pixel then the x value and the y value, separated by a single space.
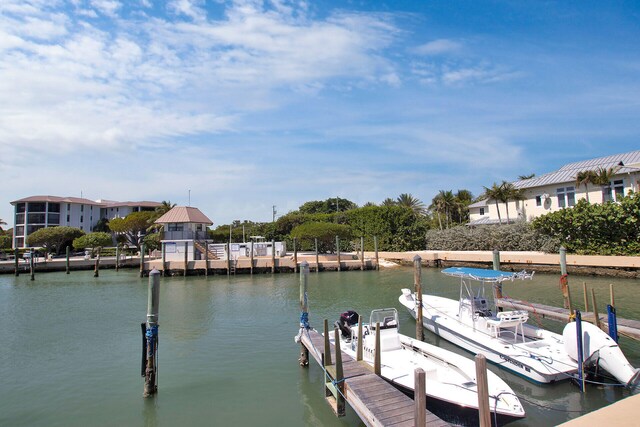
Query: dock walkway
pixel 376 402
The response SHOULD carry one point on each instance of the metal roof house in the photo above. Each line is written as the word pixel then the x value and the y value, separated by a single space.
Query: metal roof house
pixel 184 230
pixel 558 190
pixel 35 212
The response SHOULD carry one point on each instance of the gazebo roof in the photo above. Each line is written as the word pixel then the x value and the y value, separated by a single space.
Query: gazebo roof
pixel 184 214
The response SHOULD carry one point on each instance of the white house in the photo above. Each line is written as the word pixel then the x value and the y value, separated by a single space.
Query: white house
pixel 557 190
pixel 35 212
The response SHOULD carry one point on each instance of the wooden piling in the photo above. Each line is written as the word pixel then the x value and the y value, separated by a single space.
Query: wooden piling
pixel 153 306
pixel 339 377
pixel 295 256
pixel 613 301
pixel 564 278
pixel 375 248
pixel 315 241
pixel 142 260
pixel 338 251
pixel 586 296
pixel 377 365
pixel 483 391
pixel 362 253
pixel 251 257
pixel 227 248
pixel 304 310
pixel 569 302
pixel 67 269
pixel 273 256
pixel 32 269
pixel 327 345
pixel 206 259
pixel 360 343
pixel 96 266
pixel 186 258
pixel 596 315
pixel 420 397
pixel 496 259
pixel 417 283
pixel 16 262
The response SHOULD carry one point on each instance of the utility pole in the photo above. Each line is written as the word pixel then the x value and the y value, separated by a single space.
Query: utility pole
pixel 274 213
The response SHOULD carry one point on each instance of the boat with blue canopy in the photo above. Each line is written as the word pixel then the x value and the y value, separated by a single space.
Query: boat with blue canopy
pixel 505 337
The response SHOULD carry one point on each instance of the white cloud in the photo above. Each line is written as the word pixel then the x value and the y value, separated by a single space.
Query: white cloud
pixel 107 7
pixel 438 47
pixel 193 9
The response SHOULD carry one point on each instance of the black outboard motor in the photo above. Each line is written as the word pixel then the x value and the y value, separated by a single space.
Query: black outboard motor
pixel 346 321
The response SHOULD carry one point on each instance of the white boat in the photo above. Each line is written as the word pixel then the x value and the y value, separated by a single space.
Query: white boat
pixel 506 339
pixel 450 378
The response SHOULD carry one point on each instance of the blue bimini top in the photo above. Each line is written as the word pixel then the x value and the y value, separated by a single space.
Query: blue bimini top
pixel 485 275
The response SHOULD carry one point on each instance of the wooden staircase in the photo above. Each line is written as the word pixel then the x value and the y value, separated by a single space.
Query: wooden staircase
pixel 203 247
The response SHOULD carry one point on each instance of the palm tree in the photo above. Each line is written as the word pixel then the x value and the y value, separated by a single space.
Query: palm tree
pixel 495 193
pixel 2 223
pixel 511 192
pixel 463 199
pixel 524 177
pixel 437 206
pixel 388 202
pixel 449 205
pixel 409 201
pixel 164 207
pixel 603 178
pixel 585 178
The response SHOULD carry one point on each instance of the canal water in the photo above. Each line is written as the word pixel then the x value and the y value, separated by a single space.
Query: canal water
pixel 70 347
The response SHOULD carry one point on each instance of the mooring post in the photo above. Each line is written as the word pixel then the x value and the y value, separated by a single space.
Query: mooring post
pixel 613 322
pixel 16 262
pixel 375 248
pixel 67 262
pixel 417 282
pixel 496 259
pixel 186 257
pixel 580 350
pixel 315 241
pixel 206 259
pixel 359 347
pixel 586 296
pixel 227 248
pixel 613 302
pixel 339 379
pixel 338 251
pixel 273 256
pixel 118 258
pixel 595 309
pixel 362 253
pixel 569 302
pixel 327 346
pixel 96 266
pixel 32 269
pixel 420 397
pixel 564 278
pixel 251 256
pixel 295 256
pixel 151 334
pixel 304 310
pixel 377 366
pixel 483 391
pixel 142 260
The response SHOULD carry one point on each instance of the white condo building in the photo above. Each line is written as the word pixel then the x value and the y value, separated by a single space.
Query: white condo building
pixel 35 212
pixel 558 190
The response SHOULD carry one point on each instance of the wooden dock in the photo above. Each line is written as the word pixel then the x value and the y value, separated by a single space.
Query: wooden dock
pixel 626 327
pixel 376 402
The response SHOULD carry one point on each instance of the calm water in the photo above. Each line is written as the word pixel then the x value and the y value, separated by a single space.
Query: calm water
pixel 70 347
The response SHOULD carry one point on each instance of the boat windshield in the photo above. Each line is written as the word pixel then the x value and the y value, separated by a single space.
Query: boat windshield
pixel 484 275
pixel 387 317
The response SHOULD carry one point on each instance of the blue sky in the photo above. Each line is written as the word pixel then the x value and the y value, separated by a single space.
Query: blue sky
pixel 250 104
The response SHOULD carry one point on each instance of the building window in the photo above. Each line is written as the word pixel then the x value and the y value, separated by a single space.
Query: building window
pixel 481 211
pixel 53 218
pixel 566 196
pixel 614 191
pixel 19 230
pixel 54 207
pixel 67 219
pixel 81 208
pixel 175 227
pixel 538 200
pixel 37 207
pixel 81 218
pixel 36 218
pixel 20 218
pixel 20 207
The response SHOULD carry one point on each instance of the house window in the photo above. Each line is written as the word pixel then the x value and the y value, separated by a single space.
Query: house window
pixel 175 227
pixel 20 207
pixel 538 200
pixel 81 208
pixel 614 191
pixel 67 218
pixel 566 196
pixel 481 211
pixel 81 218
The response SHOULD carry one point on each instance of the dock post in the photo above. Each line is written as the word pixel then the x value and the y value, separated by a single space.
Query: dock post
pixel 417 282
pixel 613 302
pixel 16 262
pixel 496 259
pixel 251 257
pixel 142 260
pixel 117 266
pixel 580 351
pixel 420 397
pixel 206 259
pixel 377 366
pixel 339 379
pixel 164 259
pixel 304 311
pixel 595 310
pixel 67 270
pixel 96 266
pixel 186 257
pixel 327 346
pixel 32 269
pixel 315 241
pixel 586 296
pixel 359 348
pixel 613 322
pixel 362 253
pixel 569 303
pixel 497 287
pixel 151 335
pixel 564 277
pixel 375 248
pixel 295 256
pixel 338 251
pixel 483 391
pixel 227 249
pixel 273 256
